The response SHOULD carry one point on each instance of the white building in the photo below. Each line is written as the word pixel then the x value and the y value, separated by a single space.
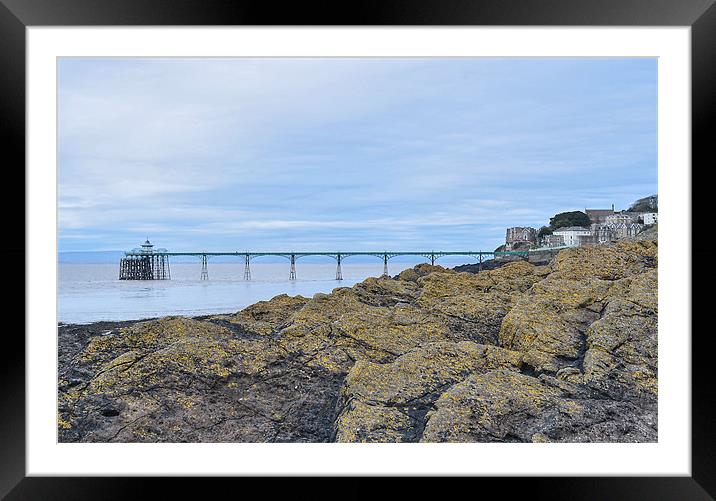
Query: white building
pixel 650 217
pixel 571 234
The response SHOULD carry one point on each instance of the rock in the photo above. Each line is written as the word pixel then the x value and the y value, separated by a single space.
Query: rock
pixel 622 260
pixel 179 379
pixel 501 405
pixel 506 406
pixel 551 324
pixel 473 306
pixel 649 233
pixel 408 386
pixel 409 275
pixel 265 317
pixel 425 269
pixel 562 352
pixel 360 422
pixel 547 325
pixel 420 373
pixel 621 356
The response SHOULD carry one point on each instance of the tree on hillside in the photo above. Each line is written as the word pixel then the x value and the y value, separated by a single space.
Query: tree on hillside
pixel 544 231
pixel 573 218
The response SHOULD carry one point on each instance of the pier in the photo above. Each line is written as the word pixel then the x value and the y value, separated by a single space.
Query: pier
pixel 148 263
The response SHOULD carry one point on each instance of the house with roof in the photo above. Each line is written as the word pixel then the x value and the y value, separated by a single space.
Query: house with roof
pixel 650 217
pixel 571 234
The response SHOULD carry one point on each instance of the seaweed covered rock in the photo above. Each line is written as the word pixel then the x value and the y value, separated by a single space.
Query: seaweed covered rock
pixel 264 317
pixel 376 320
pixel 552 323
pixel 178 379
pixel 474 305
pixel 507 406
pixel 409 386
pixel 622 260
pixel 622 348
pixel 497 406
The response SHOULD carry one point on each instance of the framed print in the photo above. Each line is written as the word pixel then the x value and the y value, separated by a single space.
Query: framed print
pixel 417 240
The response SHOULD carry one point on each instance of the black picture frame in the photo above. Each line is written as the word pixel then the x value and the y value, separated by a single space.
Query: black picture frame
pixel 16 15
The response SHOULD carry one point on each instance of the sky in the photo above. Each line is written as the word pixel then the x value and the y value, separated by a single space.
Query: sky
pixel 345 154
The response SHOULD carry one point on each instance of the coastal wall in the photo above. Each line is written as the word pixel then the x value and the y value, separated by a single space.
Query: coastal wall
pixel 561 352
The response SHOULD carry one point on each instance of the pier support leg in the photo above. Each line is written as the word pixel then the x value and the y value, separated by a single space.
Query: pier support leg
pixel 144 267
pixel 385 265
pixel 247 268
pixel 479 266
pixel 204 268
pixel 432 259
pixel 160 269
pixel 339 274
pixel 292 273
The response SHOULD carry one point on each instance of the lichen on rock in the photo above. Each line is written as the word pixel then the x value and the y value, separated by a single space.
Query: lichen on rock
pixel 265 317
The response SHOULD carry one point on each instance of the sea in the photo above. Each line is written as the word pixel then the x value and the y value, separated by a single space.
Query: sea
pixel 90 292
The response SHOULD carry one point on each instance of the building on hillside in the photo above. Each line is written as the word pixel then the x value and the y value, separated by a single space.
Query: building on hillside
pixel 520 236
pixel 597 216
pixel 571 234
pixel 603 233
pixel 634 229
pixel 621 230
pixel 636 216
pixel 627 230
pixel 553 241
pixel 650 217
pixel 622 217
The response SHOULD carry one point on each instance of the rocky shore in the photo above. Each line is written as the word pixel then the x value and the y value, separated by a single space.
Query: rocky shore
pixel 562 352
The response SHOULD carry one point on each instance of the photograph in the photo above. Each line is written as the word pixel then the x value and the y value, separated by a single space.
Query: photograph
pixel 358 249
pixel 411 239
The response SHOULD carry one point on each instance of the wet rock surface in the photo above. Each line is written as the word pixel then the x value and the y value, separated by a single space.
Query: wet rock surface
pixel 563 352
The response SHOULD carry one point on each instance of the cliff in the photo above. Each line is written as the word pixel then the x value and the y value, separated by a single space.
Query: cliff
pixel 559 352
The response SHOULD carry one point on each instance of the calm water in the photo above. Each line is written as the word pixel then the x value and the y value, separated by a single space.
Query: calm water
pixel 92 292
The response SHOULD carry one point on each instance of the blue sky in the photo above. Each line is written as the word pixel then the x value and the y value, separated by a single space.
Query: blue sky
pixel 272 154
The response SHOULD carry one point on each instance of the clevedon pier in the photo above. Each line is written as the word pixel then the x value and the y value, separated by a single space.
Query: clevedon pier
pixel 149 263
